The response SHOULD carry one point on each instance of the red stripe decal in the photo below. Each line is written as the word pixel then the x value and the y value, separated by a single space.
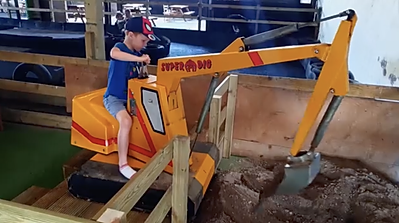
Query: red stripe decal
pixel 111 141
pixel 256 59
pixel 86 134
pixel 145 130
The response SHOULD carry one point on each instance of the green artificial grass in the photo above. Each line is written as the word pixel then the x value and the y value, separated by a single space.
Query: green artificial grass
pixel 30 156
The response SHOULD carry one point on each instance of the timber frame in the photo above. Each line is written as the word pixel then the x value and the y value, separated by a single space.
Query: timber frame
pixel 221 120
pixel 177 150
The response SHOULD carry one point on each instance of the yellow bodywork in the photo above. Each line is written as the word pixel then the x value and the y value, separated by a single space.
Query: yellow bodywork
pixel 95 129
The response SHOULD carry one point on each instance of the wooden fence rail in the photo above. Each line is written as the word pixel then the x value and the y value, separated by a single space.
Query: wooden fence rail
pixel 175 198
pixel 221 120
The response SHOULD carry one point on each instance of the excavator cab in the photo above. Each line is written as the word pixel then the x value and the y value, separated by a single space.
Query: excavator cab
pixel 156 106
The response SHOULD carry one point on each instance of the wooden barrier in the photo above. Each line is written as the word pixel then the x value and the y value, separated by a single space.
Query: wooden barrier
pixel 81 75
pixel 15 212
pixel 221 120
pixel 175 198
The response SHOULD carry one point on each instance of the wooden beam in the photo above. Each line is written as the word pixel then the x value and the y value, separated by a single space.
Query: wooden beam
pixel 181 153
pixel 89 44
pixel 49 60
pixel 14 212
pixel 94 24
pixel 32 98
pixel 230 112
pixel 58 61
pixel 36 118
pixel 161 210
pixel 306 85
pixel 134 189
pixel 33 88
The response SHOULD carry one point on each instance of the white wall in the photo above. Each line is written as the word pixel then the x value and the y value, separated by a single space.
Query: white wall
pixel 374 49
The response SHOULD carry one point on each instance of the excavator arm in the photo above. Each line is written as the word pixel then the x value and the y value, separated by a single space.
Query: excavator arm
pixel 171 70
pixel 333 77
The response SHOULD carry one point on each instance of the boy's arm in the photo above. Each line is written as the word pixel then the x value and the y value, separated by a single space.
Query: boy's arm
pixel 117 54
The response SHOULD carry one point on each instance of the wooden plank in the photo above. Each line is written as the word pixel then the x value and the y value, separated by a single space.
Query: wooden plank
pixel 81 79
pixel 161 210
pixel 31 195
pixel 214 118
pixel 36 118
pixel 134 189
pixel 91 210
pixel 32 98
pixel 305 85
pixel 230 113
pixel 32 88
pixel 69 205
pixel 181 153
pixel 51 60
pixel 14 212
pixel 51 197
pixel 89 44
pixel 94 24
pixel 362 128
pixel 76 162
pixel 58 61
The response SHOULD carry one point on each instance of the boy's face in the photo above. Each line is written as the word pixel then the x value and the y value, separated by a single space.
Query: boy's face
pixel 138 40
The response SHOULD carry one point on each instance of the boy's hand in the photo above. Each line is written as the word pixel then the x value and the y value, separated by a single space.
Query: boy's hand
pixel 146 59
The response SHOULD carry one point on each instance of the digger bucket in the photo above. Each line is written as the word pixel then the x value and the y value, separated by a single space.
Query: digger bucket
pixel 300 174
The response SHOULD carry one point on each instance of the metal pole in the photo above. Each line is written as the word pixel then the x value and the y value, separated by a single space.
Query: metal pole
pixel 257 18
pixel 147 9
pixel 199 17
pixel 52 12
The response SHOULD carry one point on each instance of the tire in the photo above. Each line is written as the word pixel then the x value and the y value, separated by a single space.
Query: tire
pixel 21 73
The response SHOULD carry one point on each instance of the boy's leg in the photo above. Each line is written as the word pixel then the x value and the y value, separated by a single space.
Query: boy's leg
pixel 117 109
pixel 125 124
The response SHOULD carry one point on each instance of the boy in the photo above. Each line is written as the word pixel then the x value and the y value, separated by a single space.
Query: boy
pixel 122 67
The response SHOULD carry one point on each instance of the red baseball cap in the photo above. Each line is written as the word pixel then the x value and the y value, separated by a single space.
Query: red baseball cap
pixel 141 25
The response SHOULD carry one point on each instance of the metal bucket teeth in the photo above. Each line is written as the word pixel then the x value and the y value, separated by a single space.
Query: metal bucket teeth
pixel 299 175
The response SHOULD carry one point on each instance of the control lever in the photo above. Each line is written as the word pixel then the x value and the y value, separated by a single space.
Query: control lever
pixel 143 71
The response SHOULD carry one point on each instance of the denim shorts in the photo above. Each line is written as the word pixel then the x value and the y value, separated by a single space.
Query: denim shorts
pixel 114 105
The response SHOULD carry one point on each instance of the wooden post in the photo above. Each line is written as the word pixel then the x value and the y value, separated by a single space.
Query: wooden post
pixel 219 116
pixel 230 113
pixel 134 189
pixel 181 153
pixel 94 23
pixel 89 44
pixel 214 120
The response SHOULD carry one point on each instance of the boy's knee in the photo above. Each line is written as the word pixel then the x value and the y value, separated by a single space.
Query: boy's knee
pixel 125 122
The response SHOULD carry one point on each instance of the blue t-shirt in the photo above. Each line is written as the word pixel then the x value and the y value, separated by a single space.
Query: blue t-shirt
pixel 119 72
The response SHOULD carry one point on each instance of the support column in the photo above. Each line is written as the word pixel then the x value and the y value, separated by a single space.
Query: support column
pixel 95 45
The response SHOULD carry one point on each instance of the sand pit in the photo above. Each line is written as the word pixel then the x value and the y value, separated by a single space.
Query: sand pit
pixel 344 191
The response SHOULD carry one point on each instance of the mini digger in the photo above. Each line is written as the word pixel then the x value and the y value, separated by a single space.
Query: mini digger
pixel 156 107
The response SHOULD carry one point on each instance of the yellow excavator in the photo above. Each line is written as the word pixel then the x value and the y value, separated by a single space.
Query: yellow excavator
pixel 156 106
